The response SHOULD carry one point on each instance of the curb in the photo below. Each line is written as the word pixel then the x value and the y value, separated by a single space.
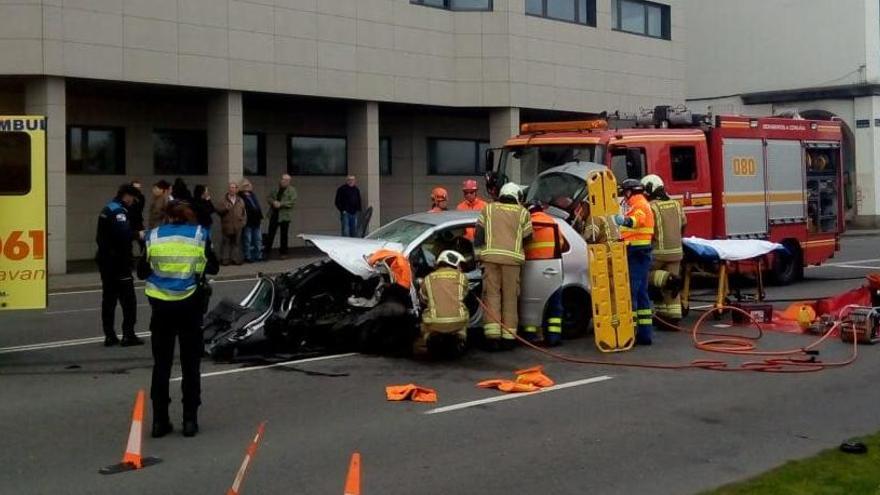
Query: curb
pixel 861 233
pixel 139 284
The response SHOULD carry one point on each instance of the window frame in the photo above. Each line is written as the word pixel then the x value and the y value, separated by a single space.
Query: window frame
pixel 449 5
pixel 478 159
pixel 696 175
pixel 665 19
pixel 590 14
pixel 199 132
pixel 289 168
pixel 261 153
pixel 390 170
pixel 119 135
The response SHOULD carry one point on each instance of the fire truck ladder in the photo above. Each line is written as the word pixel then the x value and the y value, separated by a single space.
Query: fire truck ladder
pixel 614 328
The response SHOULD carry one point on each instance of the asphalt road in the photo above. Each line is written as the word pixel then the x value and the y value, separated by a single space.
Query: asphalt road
pixel 66 406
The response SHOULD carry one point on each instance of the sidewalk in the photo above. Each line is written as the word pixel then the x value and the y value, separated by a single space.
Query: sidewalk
pixel 83 275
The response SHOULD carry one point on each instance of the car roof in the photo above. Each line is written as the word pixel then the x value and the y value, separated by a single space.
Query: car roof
pixel 442 217
pixel 578 169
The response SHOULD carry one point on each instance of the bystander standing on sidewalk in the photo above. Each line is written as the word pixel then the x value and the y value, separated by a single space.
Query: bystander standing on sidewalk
pixel 136 215
pixel 203 206
pixel 252 235
pixel 232 221
pixel 161 190
pixel 348 202
pixel 281 203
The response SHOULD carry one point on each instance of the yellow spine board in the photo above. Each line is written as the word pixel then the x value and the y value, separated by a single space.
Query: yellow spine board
pixel 614 328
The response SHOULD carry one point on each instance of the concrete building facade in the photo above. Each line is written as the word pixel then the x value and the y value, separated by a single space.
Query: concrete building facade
pixel 396 92
pixel 818 58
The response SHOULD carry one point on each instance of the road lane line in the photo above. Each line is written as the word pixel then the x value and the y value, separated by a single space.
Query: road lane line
pixel 58 344
pixel 273 365
pixel 141 287
pixel 66 311
pixel 499 398
pixel 845 263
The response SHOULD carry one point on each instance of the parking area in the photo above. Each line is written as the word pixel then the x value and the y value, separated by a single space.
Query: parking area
pixel 67 403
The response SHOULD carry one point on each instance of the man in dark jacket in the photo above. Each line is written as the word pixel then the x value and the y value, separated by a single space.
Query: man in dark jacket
pixel 136 213
pixel 348 202
pixel 252 235
pixel 115 262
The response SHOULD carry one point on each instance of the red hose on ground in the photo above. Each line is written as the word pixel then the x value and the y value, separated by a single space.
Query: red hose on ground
pixel 726 344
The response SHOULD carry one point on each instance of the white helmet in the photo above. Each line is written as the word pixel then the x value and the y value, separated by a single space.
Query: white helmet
pixel 451 258
pixel 511 190
pixel 652 183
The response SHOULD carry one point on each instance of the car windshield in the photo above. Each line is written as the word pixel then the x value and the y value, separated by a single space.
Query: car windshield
pixel 557 189
pixel 533 160
pixel 401 231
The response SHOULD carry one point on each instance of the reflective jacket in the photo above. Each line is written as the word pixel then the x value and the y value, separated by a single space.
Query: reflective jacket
pixel 505 225
pixel 642 230
pixel 176 254
pixel 542 245
pixel 444 291
pixel 477 205
pixel 669 219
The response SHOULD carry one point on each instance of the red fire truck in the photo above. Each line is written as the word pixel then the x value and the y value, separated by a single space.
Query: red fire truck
pixel 737 177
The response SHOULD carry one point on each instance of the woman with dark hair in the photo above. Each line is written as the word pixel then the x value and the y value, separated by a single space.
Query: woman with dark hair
pixel 180 191
pixel 203 206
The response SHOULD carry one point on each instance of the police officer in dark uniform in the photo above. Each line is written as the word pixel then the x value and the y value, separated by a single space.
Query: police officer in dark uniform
pixel 178 255
pixel 115 263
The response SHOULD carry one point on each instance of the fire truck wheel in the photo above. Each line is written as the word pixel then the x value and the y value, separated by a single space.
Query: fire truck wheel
pixel 788 268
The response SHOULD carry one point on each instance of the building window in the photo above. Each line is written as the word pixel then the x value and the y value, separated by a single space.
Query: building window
pixel 577 11
pixel 455 156
pixel 15 162
pixel 254 154
pixel 95 150
pixel 317 155
pixel 384 156
pixel 640 17
pixel 683 162
pixel 180 152
pixel 476 5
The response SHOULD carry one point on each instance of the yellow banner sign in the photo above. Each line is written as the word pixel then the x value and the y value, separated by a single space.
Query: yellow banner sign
pixel 23 248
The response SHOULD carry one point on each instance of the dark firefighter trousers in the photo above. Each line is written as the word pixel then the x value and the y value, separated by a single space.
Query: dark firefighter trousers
pixel 639 261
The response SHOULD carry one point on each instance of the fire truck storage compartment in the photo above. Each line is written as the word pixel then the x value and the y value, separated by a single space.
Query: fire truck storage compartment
pixel 822 160
pixel 785 181
pixel 745 206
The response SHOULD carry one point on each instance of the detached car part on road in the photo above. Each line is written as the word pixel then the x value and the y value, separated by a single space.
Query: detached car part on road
pixel 342 303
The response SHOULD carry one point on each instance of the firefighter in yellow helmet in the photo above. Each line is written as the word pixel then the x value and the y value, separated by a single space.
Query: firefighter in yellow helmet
pixel 439 200
pixel 445 317
pixel 502 228
pixel 669 223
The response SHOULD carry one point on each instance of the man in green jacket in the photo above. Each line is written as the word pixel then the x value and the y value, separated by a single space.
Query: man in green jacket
pixel 281 202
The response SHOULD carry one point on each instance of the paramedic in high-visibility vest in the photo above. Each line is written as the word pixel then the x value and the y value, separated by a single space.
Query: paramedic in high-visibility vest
pixel 502 228
pixel 178 255
pixel 669 223
pixel 546 244
pixel 637 231
pixel 445 317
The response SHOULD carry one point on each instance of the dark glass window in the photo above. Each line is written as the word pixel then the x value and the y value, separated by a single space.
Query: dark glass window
pixel 578 11
pixel 254 154
pixel 317 156
pixel 15 163
pixel 95 150
pixel 641 17
pixel 683 163
pixel 628 163
pixel 384 156
pixel 478 5
pixel 455 156
pixel 180 152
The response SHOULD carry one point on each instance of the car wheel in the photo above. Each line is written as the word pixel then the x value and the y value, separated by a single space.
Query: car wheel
pixel 577 313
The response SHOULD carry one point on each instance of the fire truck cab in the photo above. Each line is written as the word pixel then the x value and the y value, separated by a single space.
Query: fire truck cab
pixel 737 177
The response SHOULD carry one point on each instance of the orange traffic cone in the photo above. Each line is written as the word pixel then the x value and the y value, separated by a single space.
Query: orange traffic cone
pixel 353 480
pixel 132 458
pixel 248 456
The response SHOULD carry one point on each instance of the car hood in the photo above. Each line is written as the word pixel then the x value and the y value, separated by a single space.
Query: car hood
pixel 350 253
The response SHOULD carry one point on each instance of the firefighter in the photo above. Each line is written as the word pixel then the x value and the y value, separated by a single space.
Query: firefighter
pixel 502 228
pixel 546 244
pixel 637 230
pixel 178 254
pixel 439 200
pixel 669 223
pixel 114 263
pixel 444 314
pixel 471 201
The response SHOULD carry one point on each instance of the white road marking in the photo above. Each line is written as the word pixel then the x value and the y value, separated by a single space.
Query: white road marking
pixel 95 291
pixel 58 344
pixel 273 365
pixel 858 267
pixel 846 264
pixel 66 311
pixel 474 403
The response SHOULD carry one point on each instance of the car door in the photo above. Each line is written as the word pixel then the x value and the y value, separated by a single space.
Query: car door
pixel 538 281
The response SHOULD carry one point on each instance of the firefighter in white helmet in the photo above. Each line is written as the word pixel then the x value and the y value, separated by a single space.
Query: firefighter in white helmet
pixel 664 276
pixel 501 230
pixel 445 317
